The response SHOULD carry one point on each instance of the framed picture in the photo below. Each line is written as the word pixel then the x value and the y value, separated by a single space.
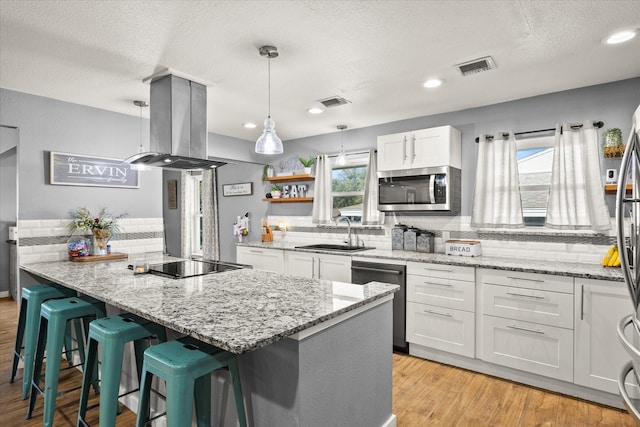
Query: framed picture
pixel 240 189
pixel 91 171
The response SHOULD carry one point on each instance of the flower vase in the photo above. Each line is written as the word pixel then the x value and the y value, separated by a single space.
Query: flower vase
pixel 100 238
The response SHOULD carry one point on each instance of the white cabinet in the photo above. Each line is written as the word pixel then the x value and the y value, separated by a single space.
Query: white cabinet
pixel 261 258
pixel 439 146
pixel 527 321
pixel 600 305
pixel 318 266
pixel 440 307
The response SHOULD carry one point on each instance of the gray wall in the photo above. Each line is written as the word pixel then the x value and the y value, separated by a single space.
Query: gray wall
pixel 49 125
pixel 8 197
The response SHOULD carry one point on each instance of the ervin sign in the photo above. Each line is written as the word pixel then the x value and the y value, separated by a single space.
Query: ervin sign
pixel 76 169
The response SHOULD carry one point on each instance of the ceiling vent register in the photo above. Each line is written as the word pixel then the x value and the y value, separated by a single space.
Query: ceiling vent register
pixel 477 66
pixel 334 101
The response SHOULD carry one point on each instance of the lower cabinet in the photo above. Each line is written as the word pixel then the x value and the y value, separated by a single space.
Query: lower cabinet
pixel 318 266
pixel 526 322
pixel 532 347
pixel 600 305
pixel 261 258
pixel 441 328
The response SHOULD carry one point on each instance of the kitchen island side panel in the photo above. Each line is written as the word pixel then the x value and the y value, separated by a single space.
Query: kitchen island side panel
pixel 340 376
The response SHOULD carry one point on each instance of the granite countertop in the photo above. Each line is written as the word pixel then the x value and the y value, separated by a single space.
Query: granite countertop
pixel 238 311
pixel 559 268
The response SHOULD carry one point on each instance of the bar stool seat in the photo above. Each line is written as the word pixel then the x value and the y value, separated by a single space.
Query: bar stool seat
pixel 186 366
pixel 32 298
pixel 54 316
pixel 113 333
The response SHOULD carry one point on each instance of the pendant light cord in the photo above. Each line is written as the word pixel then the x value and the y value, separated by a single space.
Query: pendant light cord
pixel 269 85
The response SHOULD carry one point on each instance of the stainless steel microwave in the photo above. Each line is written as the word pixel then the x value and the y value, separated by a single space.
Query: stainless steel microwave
pixel 426 189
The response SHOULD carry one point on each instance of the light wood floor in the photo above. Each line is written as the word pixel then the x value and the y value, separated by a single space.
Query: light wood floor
pixel 424 394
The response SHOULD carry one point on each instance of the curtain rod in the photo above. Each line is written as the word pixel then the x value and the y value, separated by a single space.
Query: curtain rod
pixel 350 153
pixel 598 125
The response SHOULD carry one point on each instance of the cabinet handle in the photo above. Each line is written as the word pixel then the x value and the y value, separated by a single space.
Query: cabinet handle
pixel 523 295
pixel 581 302
pixel 313 268
pixel 404 147
pixel 525 279
pixel 439 314
pixel 535 331
pixel 413 146
pixel 446 285
pixel 377 270
pixel 255 251
pixel 438 269
pixel 319 274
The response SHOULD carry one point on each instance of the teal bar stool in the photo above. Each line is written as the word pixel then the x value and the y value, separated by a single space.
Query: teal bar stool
pixel 54 316
pixel 113 333
pixel 186 366
pixel 32 298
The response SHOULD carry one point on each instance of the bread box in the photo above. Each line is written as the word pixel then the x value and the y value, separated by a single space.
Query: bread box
pixel 463 247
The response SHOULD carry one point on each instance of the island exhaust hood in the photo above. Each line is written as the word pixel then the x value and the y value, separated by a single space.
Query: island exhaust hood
pixel 178 109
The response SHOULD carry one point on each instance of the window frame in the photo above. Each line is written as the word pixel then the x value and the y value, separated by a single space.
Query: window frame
pixel 196 217
pixel 352 161
pixel 544 143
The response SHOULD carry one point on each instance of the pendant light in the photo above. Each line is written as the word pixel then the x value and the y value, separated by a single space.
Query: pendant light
pixel 269 143
pixel 342 156
pixel 141 104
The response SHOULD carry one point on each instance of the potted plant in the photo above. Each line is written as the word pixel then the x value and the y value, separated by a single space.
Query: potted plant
pixel 612 143
pixel 276 191
pixel 102 227
pixel 307 162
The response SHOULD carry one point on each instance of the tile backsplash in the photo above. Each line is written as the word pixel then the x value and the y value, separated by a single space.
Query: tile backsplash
pixel 528 243
pixel 46 240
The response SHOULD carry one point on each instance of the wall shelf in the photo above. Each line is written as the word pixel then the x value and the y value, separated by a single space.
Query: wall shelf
pixel 613 188
pixel 290 178
pixel 289 200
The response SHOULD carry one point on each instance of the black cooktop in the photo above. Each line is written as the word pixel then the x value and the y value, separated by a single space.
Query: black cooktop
pixel 190 268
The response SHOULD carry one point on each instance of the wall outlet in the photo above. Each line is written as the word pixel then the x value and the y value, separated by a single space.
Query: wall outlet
pixel 612 176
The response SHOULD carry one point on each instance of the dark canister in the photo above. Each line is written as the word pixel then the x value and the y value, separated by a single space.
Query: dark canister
pixel 410 238
pixel 424 242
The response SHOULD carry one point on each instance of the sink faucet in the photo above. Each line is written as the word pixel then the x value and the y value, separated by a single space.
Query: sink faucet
pixel 343 218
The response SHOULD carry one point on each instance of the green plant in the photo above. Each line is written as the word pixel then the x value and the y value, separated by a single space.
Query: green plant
pixel 307 162
pixel 264 172
pixel 276 187
pixel 612 137
pixel 82 220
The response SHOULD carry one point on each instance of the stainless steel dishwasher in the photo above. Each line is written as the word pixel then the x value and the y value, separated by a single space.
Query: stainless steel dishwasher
pixel 363 272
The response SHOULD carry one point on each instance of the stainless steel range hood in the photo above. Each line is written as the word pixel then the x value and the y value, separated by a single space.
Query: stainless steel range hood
pixel 178 109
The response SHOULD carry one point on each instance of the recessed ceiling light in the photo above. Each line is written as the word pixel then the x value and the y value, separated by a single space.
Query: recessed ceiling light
pixel 315 110
pixel 249 125
pixel 620 37
pixel 431 83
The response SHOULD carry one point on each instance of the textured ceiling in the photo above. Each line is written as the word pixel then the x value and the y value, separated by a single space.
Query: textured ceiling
pixel 376 54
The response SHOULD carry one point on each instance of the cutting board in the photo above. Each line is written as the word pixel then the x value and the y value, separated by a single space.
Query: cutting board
pixel 95 258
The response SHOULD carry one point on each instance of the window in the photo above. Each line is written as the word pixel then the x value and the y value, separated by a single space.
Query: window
pixel 535 160
pixel 196 240
pixel 348 187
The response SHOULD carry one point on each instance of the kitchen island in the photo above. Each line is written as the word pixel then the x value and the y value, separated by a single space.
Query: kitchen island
pixel 311 352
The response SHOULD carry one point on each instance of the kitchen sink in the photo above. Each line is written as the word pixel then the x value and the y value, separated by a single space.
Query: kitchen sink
pixel 336 248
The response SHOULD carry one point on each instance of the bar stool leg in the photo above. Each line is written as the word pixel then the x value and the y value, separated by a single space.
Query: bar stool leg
pixel 202 394
pixel 179 402
pixel 234 375
pixel 52 370
pixel 37 367
pixel 19 339
pixel 111 366
pixel 145 396
pixel 88 374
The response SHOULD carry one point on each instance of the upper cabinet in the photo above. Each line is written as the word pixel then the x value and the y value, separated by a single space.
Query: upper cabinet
pixel 440 146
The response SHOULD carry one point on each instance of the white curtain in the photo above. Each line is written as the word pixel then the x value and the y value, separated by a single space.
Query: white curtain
pixel 210 236
pixel 496 201
pixel 187 192
pixel 322 191
pixel 370 213
pixel 576 196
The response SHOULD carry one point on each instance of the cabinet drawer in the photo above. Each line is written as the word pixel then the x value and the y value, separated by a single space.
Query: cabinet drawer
pixel 443 271
pixel 441 328
pixel 517 279
pixel 539 349
pixel 529 305
pixel 441 292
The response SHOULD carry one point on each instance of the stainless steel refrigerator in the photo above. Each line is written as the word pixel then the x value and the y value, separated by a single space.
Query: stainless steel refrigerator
pixel 628 231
